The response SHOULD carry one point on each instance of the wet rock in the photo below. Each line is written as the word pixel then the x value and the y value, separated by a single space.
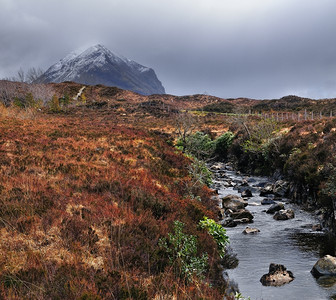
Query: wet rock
pixel 280 188
pixel 284 214
pixel 228 167
pixel 228 222
pixel 267 190
pixel 231 224
pixel 242 214
pixel 246 193
pixel 217 166
pixel 277 276
pixel 254 204
pixel 227 184
pixel 244 183
pixel 317 227
pixel 275 207
pixel 233 202
pixel 267 201
pixel 249 230
pixel 325 266
pixel 242 221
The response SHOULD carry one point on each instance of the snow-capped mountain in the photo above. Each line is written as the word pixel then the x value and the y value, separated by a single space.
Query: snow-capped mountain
pixel 98 65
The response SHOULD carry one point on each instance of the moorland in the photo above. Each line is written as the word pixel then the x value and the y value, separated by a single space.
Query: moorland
pixel 105 194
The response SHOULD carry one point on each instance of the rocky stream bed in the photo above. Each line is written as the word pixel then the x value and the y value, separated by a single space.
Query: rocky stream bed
pixel 269 234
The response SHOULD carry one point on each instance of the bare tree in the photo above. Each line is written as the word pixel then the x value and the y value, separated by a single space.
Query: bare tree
pixel 21 77
pixel 33 75
pixel 241 119
pixel 41 92
pixel 9 90
pixel 185 123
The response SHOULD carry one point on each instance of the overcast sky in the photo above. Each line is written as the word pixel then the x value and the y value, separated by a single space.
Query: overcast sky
pixel 227 48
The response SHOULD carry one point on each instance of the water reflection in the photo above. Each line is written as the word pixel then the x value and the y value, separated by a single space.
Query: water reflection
pixel 319 243
pixel 326 281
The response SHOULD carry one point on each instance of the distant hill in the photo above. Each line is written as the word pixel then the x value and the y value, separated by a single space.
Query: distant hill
pixel 98 65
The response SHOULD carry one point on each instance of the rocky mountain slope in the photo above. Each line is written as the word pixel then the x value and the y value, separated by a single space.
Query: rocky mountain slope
pixel 98 65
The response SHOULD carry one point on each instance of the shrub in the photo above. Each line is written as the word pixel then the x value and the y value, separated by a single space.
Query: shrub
pixel 27 102
pixel 223 143
pixel 54 104
pixel 217 232
pixel 198 144
pixel 181 249
pixel 200 173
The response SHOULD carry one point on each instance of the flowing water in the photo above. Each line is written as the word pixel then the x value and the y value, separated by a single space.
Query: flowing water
pixel 291 243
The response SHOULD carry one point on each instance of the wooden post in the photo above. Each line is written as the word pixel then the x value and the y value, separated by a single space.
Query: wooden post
pixel 312 115
pixel 320 114
pixel 305 114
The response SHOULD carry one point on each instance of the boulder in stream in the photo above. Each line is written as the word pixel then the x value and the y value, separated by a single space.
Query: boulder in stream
pixel 246 193
pixel 249 230
pixel 242 214
pixel 275 207
pixel 317 227
pixel 267 201
pixel 242 221
pixel 217 166
pixel 325 266
pixel 284 214
pixel 233 202
pixel 277 276
pixel 280 188
pixel 267 190
pixel 228 222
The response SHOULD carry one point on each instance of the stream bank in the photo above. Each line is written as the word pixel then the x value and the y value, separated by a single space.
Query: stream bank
pixel 296 243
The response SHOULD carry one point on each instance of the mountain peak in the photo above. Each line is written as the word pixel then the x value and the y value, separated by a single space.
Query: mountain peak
pixel 98 65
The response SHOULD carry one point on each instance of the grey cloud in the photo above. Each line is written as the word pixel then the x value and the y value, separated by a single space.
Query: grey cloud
pixel 251 48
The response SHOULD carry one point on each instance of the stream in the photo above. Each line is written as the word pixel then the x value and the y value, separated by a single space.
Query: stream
pixel 291 243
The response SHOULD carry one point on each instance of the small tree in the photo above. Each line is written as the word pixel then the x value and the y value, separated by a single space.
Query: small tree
pixel 54 104
pixel 198 144
pixel 185 124
pixel 223 143
pixel 29 101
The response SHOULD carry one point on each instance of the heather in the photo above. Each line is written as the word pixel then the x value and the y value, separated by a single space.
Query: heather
pixel 84 202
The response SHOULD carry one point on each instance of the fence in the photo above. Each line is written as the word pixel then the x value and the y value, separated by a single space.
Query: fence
pixel 288 116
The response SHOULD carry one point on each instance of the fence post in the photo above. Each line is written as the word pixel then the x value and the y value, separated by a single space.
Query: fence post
pixel 305 114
